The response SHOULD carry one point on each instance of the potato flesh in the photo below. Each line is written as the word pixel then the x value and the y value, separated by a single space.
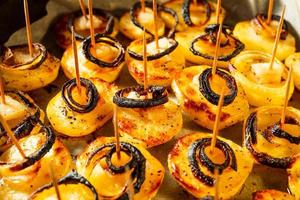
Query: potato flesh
pixel 294 61
pixel 12 109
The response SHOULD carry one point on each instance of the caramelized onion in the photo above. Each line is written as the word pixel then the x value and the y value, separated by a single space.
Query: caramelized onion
pixel 186 11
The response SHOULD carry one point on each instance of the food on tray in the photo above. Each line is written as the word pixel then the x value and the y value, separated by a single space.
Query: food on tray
pixel 21 114
pixel 263 85
pixel 198 95
pixel 104 22
pixel 147 115
pixel 21 176
pixel 294 61
pixel 24 72
pixel 271 195
pixel 77 114
pixel 136 173
pixel 193 165
pixel 192 14
pixel 104 60
pixel 293 177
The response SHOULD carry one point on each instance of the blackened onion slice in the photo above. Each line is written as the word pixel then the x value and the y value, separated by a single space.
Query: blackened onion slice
pixel 263 158
pixel 186 11
pixel 91 93
pixel 156 56
pixel 210 35
pixel 137 163
pixel 24 127
pixel 197 156
pixel 209 94
pixel 136 7
pixel 102 38
pixel 72 178
pixel 260 20
pixel 159 97
pixel 109 18
pixel 37 155
pixel 7 57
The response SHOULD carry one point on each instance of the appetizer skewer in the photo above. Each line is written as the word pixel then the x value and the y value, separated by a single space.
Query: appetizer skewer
pixel 83 105
pixel 164 58
pixel 146 113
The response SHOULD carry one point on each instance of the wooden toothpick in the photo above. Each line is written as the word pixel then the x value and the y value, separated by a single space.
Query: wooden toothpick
pixel 28 28
pixel 2 94
pixel 270 10
pixel 155 24
pixel 279 29
pixel 217 120
pixel 286 99
pixel 145 61
pixel 11 135
pixel 74 46
pixel 195 2
pixel 219 2
pixel 214 67
pixel 82 7
pixel 117 136
pixel 143 5
pixel 54 181
pixel 92 30
pixel 216 184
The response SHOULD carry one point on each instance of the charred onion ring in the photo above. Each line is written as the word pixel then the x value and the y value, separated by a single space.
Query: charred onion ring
pixel 209 94
pixel 71 178
pixel 42 51
pixel 137 163
pixel 210 35
pixel 30 160
pixel 109 17
pixel 167 51
pixel 25 127
pixel 102 38
pixel 197 153
pixel 186 12
pixel 258 20
pixel 91 92
pixel 160 8
pixel 159 97
pixel 263 158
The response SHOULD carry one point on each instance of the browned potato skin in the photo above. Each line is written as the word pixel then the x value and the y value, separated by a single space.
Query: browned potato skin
pixel 196 15
pixel 17 184
pixel 293 177
pixel 271 195
pixel 64 36
pixel 153 126
pixel 160 71
pixel 74 124
pixel 195 105
pixel 154 169
pixel 230 182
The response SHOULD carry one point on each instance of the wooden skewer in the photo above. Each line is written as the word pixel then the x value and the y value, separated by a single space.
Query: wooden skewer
pixel 52 174
pixel 286 99
pixel 216 184
pixel 82 7
pixel 2 94
pixel 115 118
pixel 270 10
pixel 28 29
pixel 277 37
pixel 195 2
pixel 11 135
pixel 143 5
pixel 155 24
pixel 145 61
pixel 219 2
pixel 214 67
pixel 92 30
pixel 74 46
pixel 217 120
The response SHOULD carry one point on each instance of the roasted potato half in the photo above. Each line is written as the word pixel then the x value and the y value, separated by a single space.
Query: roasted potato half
pixel 294 62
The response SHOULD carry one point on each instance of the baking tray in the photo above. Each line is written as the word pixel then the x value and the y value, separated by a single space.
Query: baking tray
pixel 261 177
